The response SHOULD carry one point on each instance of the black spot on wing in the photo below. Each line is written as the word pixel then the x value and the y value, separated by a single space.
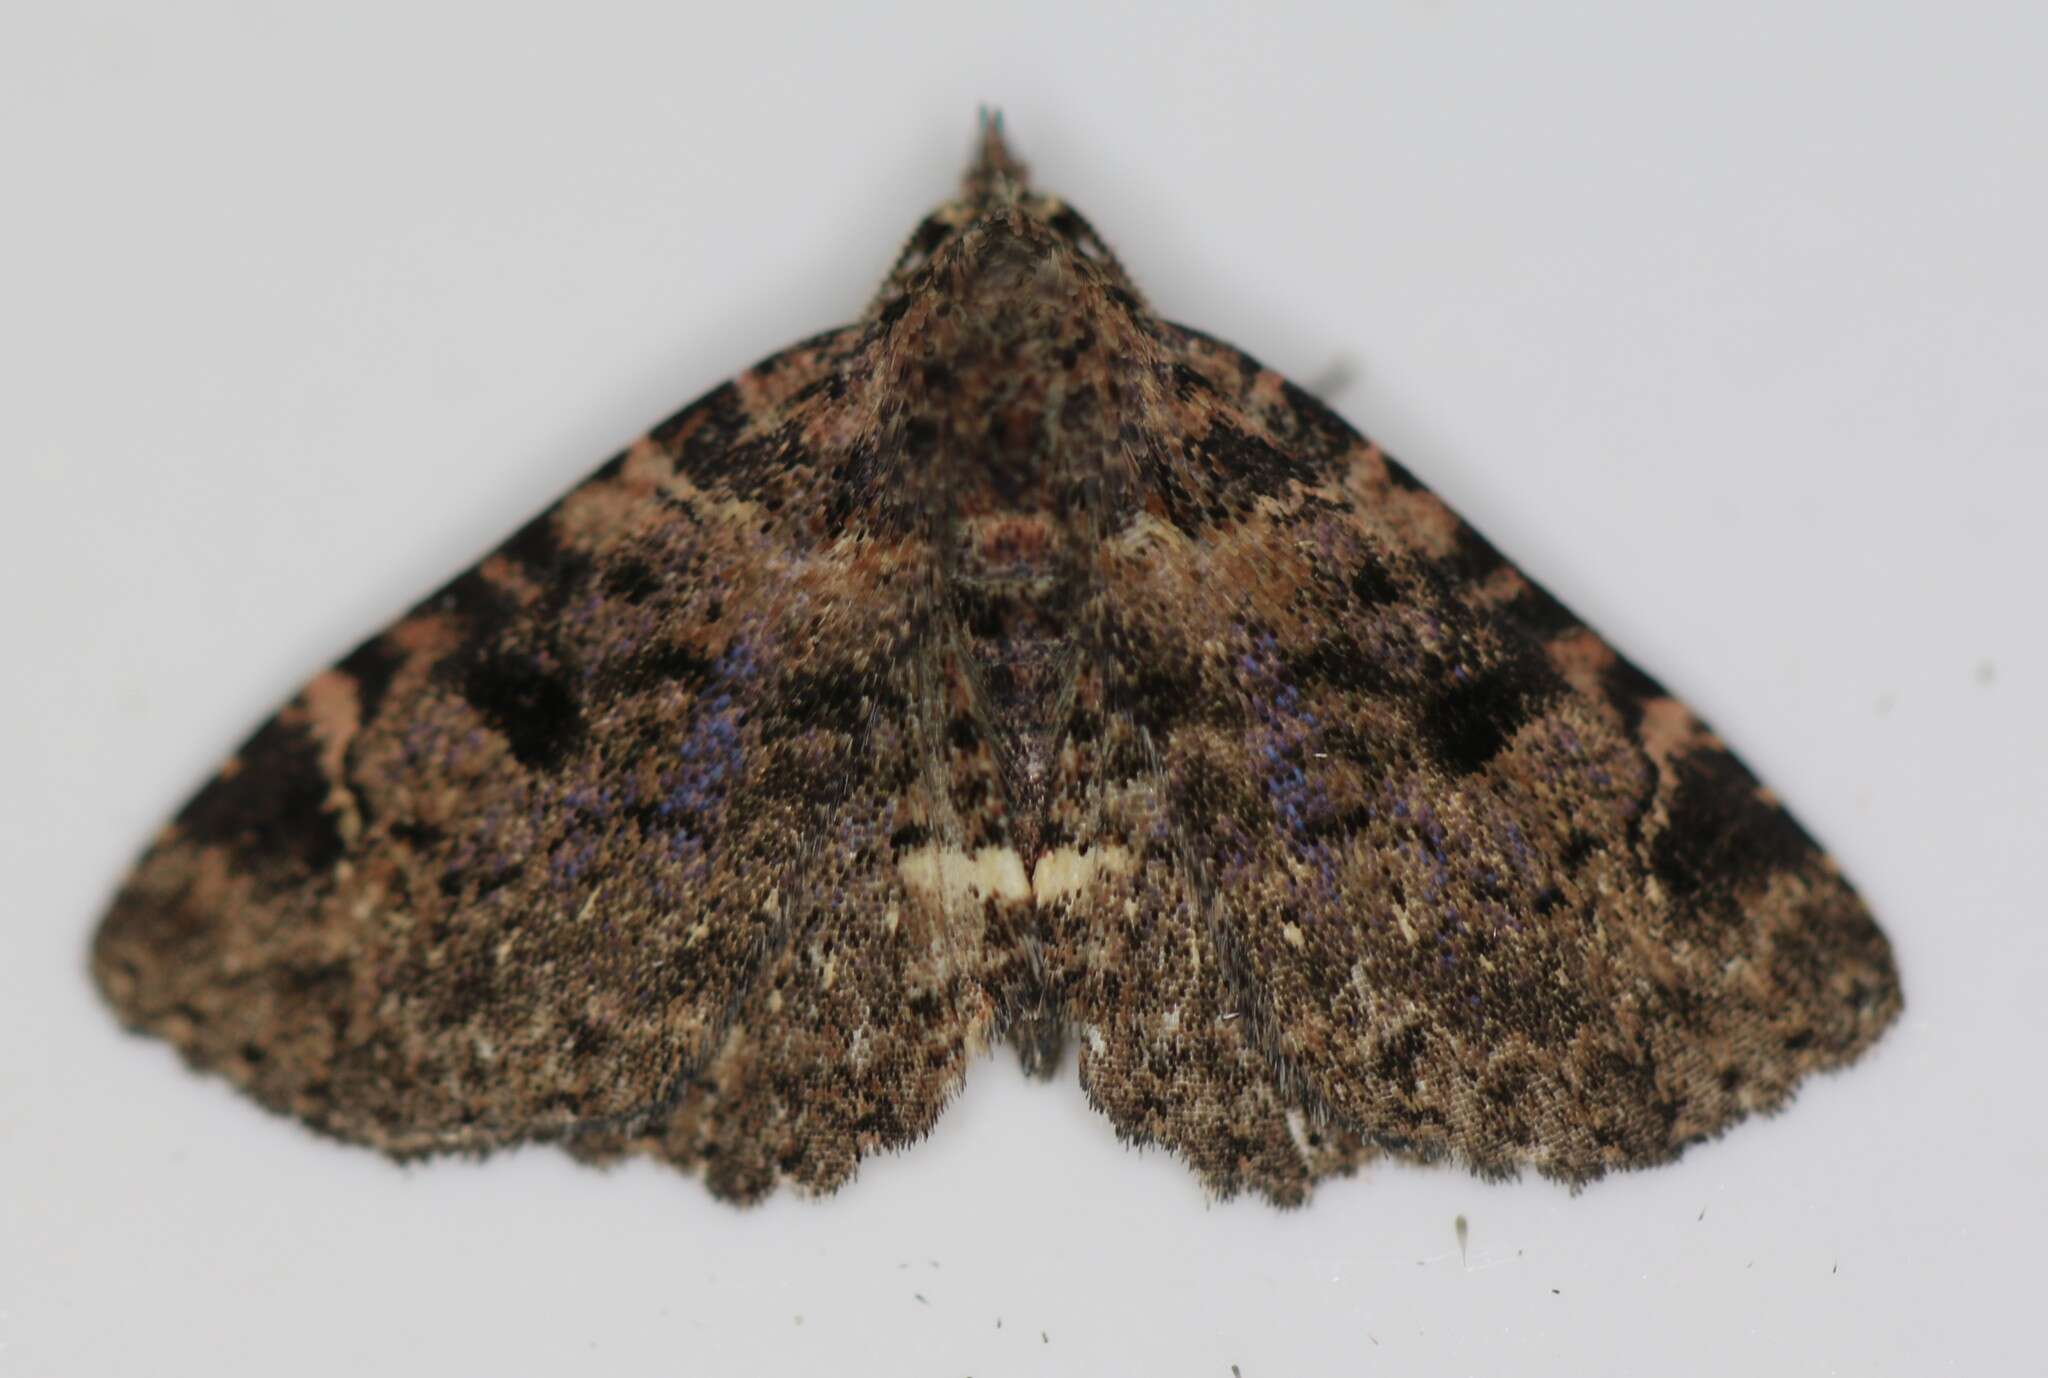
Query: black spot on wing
pixel 1240 464
pixel 1719 834
pixel 1471 714
pixel 1372 584
pixel 530 704
pixel 630 578
pixel 372 666
pixel 270 809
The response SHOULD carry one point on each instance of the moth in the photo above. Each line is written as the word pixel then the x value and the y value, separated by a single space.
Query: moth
pixel 1009 666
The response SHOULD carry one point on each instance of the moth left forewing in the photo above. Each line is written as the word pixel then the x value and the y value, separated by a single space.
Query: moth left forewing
pixel 860 1025
pixel 511 868
pixel 1485 885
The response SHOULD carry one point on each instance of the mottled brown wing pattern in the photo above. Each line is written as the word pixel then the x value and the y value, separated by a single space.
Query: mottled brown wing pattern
pixel 513 867
pixel 1477 882
pixel 1167 1051
pixel 1011 664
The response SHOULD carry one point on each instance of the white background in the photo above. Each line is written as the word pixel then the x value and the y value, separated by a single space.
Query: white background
pixel 1729 322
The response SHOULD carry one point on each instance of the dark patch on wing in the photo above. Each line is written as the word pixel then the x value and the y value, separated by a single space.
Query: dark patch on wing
pixel 1209 797
pixel 719 409
pixel 1400 477
pixel 1338 660
pixel 1240 463
pixel 1472 557
pixel 372 666
pixel 273 809
pixel 535 546
pixel 1540 615
pixel 655 666
pixel 482 607
pixel 1472 714
pixel 1157 689
pixel 1628 689
pixel 1311 428
pixel 1372 584
pixel 1719 833
pixel 529 702
pixel 836 699
pixel 631 579
pixel 852 487
pixel 712 447
pixel 1181 505
pixel 1395 1062
pixel 1189 383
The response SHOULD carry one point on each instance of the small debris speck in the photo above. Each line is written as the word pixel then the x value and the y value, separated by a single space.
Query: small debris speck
pixel 1464 1231
pixel 920 1297
pixel 1986 672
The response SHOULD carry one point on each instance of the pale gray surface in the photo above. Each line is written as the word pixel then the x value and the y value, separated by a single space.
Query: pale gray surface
pixel 1728 323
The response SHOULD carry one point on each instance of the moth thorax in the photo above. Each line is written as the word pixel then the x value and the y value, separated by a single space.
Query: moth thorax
pixel 1012 590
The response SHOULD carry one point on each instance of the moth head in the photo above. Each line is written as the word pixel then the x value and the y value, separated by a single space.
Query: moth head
pixel 998 222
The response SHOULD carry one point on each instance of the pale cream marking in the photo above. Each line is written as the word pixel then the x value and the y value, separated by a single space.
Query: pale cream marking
pixel 998 872
pixel 1297 1130
pixel 1065 871
pixel 992 872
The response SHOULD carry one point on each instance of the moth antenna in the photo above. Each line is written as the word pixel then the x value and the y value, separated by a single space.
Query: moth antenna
pixel 996 173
